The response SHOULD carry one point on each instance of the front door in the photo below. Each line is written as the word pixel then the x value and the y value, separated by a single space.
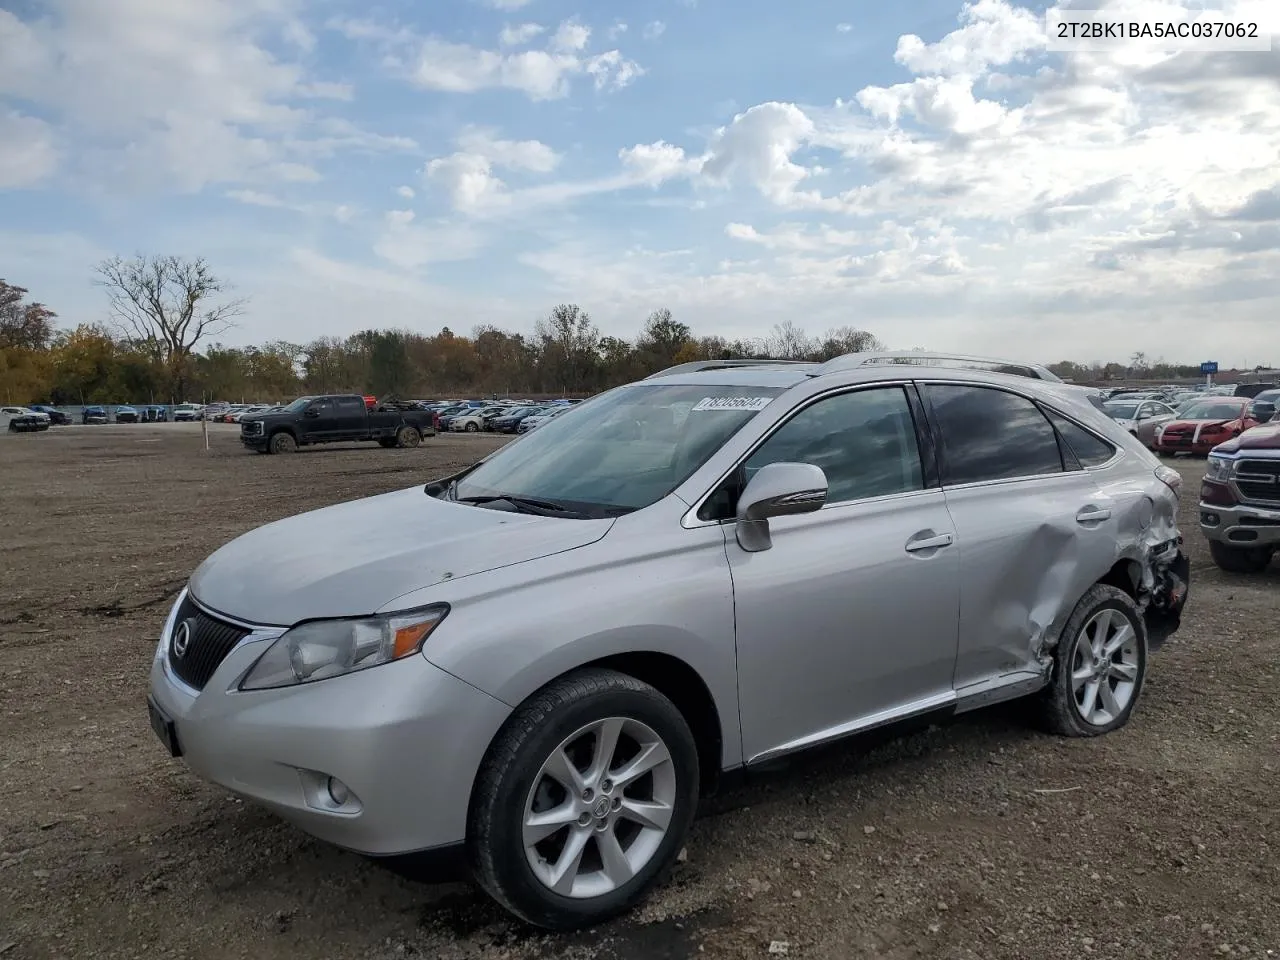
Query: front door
pixel 319 422
pixel 849 618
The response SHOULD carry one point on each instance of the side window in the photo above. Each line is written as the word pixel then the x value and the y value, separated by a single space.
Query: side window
pixel 864 441
pixel 1089 450
pixel 990 434
pixel 323 407
pixel 350 405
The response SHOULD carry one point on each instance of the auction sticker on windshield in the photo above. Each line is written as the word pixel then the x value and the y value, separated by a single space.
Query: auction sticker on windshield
pixel 732 403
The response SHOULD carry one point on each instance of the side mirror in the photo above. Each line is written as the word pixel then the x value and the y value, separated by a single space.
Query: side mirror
pixel 1263 411
pixel 777 490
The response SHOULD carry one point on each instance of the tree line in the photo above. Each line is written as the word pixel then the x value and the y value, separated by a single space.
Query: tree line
pixel 159 344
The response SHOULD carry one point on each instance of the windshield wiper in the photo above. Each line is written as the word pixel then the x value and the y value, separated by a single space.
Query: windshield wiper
pixel 531 505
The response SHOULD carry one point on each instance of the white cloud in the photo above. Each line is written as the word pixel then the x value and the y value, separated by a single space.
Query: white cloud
pixel 468 175
pixel 507 5
pixel 571 37
pixel 519 35
pixel 410 246
pixel 169 93
pixel 256 198
pixel 27 153
pixel 541 74
pixel 616 31
pixel 654 29
pixel 656 163
pixel 532 155
pixel 406 191
pixel 844 28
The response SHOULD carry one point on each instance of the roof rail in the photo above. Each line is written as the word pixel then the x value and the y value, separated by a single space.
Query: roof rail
pixel 851 361
pixel 697 366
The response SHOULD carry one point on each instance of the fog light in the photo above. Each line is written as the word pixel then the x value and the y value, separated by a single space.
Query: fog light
pixel 1210 519
pixel 338 791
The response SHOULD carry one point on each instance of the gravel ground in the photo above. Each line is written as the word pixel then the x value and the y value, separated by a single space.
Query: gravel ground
pixel 978 838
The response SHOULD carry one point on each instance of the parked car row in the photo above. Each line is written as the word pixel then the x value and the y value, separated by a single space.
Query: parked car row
pixel 495 416
pixel 1194 426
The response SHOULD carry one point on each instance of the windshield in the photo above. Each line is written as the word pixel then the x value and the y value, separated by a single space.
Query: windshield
pixel 1121 411
pixel 1214 411
pixel 622 451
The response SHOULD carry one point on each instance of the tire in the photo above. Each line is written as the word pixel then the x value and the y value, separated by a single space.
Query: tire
pixel 1239 559
pixel 472 428
pixel 1105 615
pixel 283 442
pixel 558 720
pixel 408 437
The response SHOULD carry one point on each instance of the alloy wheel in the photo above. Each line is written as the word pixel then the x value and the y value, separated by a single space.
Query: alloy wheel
pixel 599 808
pixel 1104 667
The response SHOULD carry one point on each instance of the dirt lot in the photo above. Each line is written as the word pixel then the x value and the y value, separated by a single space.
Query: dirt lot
pixel 976 839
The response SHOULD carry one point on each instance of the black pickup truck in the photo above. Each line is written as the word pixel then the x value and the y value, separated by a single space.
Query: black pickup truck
pixel 336 419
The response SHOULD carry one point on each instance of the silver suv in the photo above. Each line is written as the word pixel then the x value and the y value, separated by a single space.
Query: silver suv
pixel 546 659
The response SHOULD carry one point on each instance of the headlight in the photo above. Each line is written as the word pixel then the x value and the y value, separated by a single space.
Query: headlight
pixel 1219 469
pixel 330 648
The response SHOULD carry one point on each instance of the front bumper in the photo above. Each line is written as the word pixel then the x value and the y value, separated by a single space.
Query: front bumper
pixel 1240 525
pixel 406 738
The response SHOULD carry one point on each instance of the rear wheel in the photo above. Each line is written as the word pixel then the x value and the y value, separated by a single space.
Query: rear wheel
pixel 1099 665
pixel 472 428
pixel 408 436
pixel 583 801
pixel 283 443
pixel 1239 559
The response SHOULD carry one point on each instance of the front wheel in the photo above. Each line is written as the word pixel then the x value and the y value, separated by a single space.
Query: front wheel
pixel 1099 665
pixel 284 443
pixel 472 428
pixel 583 801
pixel 1239 559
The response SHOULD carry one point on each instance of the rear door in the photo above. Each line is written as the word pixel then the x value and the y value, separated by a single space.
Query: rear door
pixel 351 418
pixel 1034 529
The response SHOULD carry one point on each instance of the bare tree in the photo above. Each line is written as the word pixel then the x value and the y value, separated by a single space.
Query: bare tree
pixel 165 306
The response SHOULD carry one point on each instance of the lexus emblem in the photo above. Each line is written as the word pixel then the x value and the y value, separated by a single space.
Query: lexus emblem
pixel 182 639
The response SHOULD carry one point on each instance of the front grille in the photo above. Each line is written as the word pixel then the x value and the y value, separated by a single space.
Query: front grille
pixel 209 640
pixel 1259 480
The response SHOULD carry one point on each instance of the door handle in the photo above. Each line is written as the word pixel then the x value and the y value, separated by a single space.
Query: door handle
pixel 916 545
pixel 1093 515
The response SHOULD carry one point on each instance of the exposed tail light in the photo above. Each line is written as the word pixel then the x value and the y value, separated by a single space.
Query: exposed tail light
pixel 1170 477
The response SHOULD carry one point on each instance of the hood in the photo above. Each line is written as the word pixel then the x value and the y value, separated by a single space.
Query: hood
pixel 354 558
pixel 1199 423
pixel 1264 437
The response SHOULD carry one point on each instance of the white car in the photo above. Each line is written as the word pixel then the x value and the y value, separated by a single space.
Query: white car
pixel 187 411
pixel 534 422
pixel 22 419
pixel 239 415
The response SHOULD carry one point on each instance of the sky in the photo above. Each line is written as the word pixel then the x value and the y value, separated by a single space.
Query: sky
pixel 928 171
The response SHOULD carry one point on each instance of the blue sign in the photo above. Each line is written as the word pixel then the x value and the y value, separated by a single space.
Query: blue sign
pixel 1209 366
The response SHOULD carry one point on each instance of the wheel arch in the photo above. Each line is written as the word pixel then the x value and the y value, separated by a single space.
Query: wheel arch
pixel 680 683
